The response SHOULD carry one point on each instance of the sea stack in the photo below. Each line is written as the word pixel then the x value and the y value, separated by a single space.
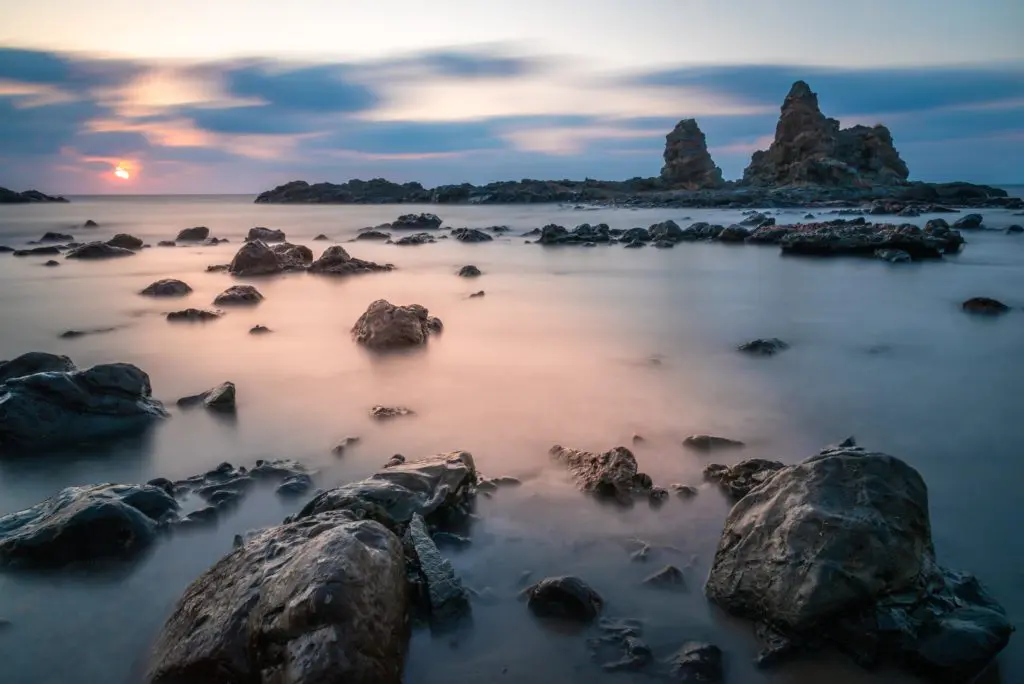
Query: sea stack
pixel 810 149
pixel 687 161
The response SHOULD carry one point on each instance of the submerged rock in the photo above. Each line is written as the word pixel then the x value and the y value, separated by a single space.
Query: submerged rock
pixel 168 287
pixel 666 231
pixel 893 256
pixel 197 234
pixel 567 598
pixel 89 223
pixel 480 293
pixel 1014 229
pixel 696 661
pixel 733 234
pixel 372 234
pixel 469 271
pixel 840 546
pixel 53 408
pixel 319 600
pixel 336 261
pixel 968 222
pixel 984 305
pixel 619 648
pixel 193 315
pixel 611 475
pixel 238 295
pixel 259 330
pixel 125 241
pixel 295 485
pixel 293 257
pixel 384 412
pixel 764 346
pixel 417 222
pixel 98 250
pixel 36 251
pixel 73 334
pixel 669 577
pixel 552 234
pixel 56 237
pixel 471 235
pixel 31 363
pixel 265 235
pixel 710 442
pixel 81 524
pixel 386 326
pixel 416 239
pixel 219 398
pixel 739 479
pixel 447 600
pixel 320 238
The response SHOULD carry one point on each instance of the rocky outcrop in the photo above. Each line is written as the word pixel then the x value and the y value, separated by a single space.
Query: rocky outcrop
pixel 238 295
pixel 471 235
pixel 26 197
pixel 197 234
pixel 265 235
pixel 31 363
pixel 56 237
pixel 417 222
pixel 219 398
pixel 54 408
pixel 81 524
pixel 612 475
pixel 736 481
pixel 168 287
pixel 969 222
pixel 416 239
pixel 566 598
pixel 373 234
pixel 318 600
pixel 98 250
pixel 125 241
pixel 840 547
pixel 293 257
pixel 553 234
pixel 763 346
pixel 386 326
pixel 984 305
pixel 193 315
pixel 688 164
pixel 356 191
pixel 859 238
pixel 37 251
pixel 256 258
pixel 811 149
pixel 336 261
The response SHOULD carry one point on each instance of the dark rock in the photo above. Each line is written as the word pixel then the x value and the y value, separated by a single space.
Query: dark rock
pixel 710 442
pixel 936 225
pixel 481 293
pixel 668 231
pixel 341 446
pixel 908 211
pixel 168 287
pixel 1014 229
pixel 356 191
pixel 89 223
pixel 99 250
pixel 567 598
pixel 840 545
pixel 808 216
pixel 217 268
pixel 321 236
pixel 848 442
pixel 849 238
pixel 37 251
pixel 319 600
pixel 984 305
pixel 757 219
pixel 451 540
pixel 265 235
pixel 684 491
pixel 696 661
pixel 635 235
pixel 893 256
pixel 52 263
pixel 382 412
pixel 167 243
pixel 197 234
pixel 72 334
pixel 499 229
pixel 28 196
pixel 336 261
pixel 280 469
pixel 448 601
pixel 371 234
pixel 81 524
pixel 552 234
pixel 733 234
pixel 220 398
pixel 386 326
pixel 214 241
pixel 259 330
pixel 31 363
pixel 293 257
pixel 416 222
pixel 968 222
pixel 125 241
pixel 193 315
pixel 619 648
pixel 56 237
pixel 396 460
pixel 469 271
pixel 738 480
pixel 669 577
pixel 239 295
pixel 203 516
pixel 664 244
pixel 635 244
pixel 4 249
pixel 611 475
pixel 688 164
pixel 255 258
pixel 657 496
pixel 471 235
pixel 763 346
pixel 51 408
pixel 296 485
pixel 416 239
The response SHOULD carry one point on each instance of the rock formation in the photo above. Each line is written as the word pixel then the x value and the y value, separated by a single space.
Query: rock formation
pixel 125 241
pixel 31 363
pixel 238 295
pixel 612 475
pixel 265 234
pixel 386 326
pixel 168 287
pixel 26 197
pixel 336 261
pixel 98 250
pixel 197 234
pixel 811 149
pixel 687 162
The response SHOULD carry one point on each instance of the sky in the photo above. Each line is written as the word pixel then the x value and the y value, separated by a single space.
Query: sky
pixel 225 96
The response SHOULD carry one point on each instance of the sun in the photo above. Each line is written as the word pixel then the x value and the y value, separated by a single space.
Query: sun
pixel 122 173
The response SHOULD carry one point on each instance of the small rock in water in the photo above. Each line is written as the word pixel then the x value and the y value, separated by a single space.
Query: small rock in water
pixel 637 438
pixel 396 460
pixel 265 235
pixel 193 315
pixel 984 305
pixel 384 326
pixel 619 648
pixel 669 577
pixel 51 263
pixel 710 442
pixel 220 398
pixel 295 485
pixel 321 236
pixel 89 223
pixel 72 334
pixel 657 496
pixel 168 287
pixel 848 442
pixel 197 234
pixel 696 662
pixel 764 346
pixel 564 597
pixel 469 271
pixel 477 294
pixel 684 491
pixel 451 540
pixel 1014 229
pixel 238 295
pixel 125 241
pixel 969 222
pixel 893 256
pixel 345 443
pixel 217 268
pixel 383 412
pixel 739 479
pixel 167 243
pixel 259 330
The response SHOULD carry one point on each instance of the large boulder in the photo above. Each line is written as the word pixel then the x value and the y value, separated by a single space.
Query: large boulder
pixel 197 234
pixel 336 261
pixel 256 258
pixel 265 235
pixel 612 475
pixel 321 600
pixel 687 161
pixel 840 546
pixel 98 250
pixel 553 234
pixel 471 235
pixel 811 149
pixel 417 222
pixel 668 231
pixel 293 257
pixel 81 524
pixel 30 363
pixel 53 408
pixel 168 287
pixel 125 241
pixel 238 295
pixel 386 326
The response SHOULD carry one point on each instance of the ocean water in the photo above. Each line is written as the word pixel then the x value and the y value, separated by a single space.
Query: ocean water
pixel 580 347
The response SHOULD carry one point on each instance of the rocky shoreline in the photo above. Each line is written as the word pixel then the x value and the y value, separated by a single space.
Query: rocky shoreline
pixel 27 197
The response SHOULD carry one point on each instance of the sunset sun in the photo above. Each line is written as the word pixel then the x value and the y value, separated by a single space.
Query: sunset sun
pixel 122 173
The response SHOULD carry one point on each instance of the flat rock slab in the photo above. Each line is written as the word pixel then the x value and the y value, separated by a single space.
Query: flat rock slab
pixel 447 597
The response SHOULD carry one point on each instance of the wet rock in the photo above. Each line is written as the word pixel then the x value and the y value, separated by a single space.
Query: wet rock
pixel 265 235
pixel 371 234
pixel 842 238
pixel 56 237
pixel 386 326
pixel 36 251
pixel 255 258
pixel 336 261
pixel 99 250
pixel 471 235
pixel 733 234
pixel 738 480
pixel 31 363
pixel 322 599
pixel 684 491
pixel 755 219
pixel 396 460
pixel 893 256
pixel 968 222
pixel 125 241
pixel 939 225
pixel 201 517
pixel 81 524
pixel 197 234
pixel 4 249
pixel 1015 230
pixel 293 257
pixel 710 443
pixel 416 222
pixel 808 216
pixel 451 540
pixel 296 485
pixel 259 330
pixel 73 334
pixel 657 496
pixel 469 271
pixel 193 315
pixel 344 444
pixel 89 223
pixel 416 239
pixel 220 398
pixel 480 293
pixel 245 295
pixel 611 475
pixel 566 597
pixel 696 661
pixel 217 268
pixel 51 408
pixel 669 577
pixel 448 600
pixel 641 555
pixel 384 412
pixel 278 468
pixel 552 234
pixel 168 287
pixel 635 244
pixel 619 648
pixel 984 305
pixel 320 237
pixel 635 235
pixel 763 346
pixel 840 546
pixel 688 164
pixel 667 231
pixel 664 244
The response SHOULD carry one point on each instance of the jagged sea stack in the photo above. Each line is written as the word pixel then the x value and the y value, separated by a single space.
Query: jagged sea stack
pixel 810 148
pixel 687 161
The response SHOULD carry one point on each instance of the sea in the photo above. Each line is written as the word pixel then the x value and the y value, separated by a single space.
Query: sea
pixel 580 347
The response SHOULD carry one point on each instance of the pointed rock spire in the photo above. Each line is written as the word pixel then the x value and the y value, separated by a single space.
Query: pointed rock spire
pixel 687 161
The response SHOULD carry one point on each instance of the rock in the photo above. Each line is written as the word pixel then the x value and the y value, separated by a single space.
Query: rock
pixel 756 219
pixel 635 244
pixel 235 295
pixel 968 222
pixel 840 546
pixel 893 256
pixel 481 293
pixel 936 225
pixel 265 235
pixel 197 234
pixel 56 237
pixel 619 648
pixel 31 363
pixel 688 164
pixel 684 491
pixel 386 326
pixel 168 287
pixel 416 239
pixel 98 250
pixel 738 480
pixel 664 244
pixel 320 237
pixel 439 488
pixel 635 235
pixel 72 334
pixel 808 216
pixel 396 460
pixel 657 496
pixel 259 330
pixel 447 600
pixel 201 517
pixel 296 485
pixel 552 234
pixel 36 251
pixel 220 398
pixel 217 268
pixel 53 408
pixel 255 258
pixel 696 661
pixel 733 234
pixel 293 257
pixel 125 241
pixel 566 597
pixel 322 599
pixel 341 446
pixel 81 524
pixel 764 346
pixel 383 412
pixel 193 315
pixel 371 234
pixel 4 249
pixel 469 271
pixel 1015 230
pixel 669 577
pixel 667 231
pixel 984 305
pixel 336 261
pixel 471 235
pixel 416 222
pixel 611 475
pixel 710 442
pixel 811 149
pixel 839 238
pixel 89 223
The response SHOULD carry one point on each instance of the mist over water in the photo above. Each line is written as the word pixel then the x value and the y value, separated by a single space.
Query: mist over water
pixel 580 347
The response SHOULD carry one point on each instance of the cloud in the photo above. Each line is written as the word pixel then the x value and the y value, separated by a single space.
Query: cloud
pixel 70 72
pixel 479 62
pixel 321 88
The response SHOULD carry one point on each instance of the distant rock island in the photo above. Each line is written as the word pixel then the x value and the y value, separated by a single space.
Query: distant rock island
pixel 27 197
pixel 811 162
